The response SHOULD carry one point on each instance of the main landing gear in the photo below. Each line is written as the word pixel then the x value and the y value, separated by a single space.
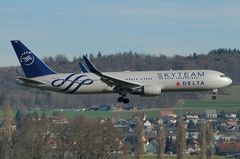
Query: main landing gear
pixel 123 99
pixel 214 94
pixel 123 96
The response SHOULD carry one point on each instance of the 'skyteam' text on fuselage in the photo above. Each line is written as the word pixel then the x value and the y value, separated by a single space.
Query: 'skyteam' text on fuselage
pixel 92 81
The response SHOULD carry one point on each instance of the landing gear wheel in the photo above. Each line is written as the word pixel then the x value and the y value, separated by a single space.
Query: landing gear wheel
pixel 120 99
pixel 214 97
pixel 214 94
pixel 125 100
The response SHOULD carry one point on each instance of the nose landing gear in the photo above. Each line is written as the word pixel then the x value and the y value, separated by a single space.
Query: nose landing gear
pixel 123 99
pixel 214 94
pixel 214 97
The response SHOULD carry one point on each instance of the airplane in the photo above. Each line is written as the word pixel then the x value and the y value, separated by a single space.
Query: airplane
pixel 143 83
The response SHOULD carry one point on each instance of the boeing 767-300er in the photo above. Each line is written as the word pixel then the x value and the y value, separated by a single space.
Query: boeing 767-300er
pixel 92 81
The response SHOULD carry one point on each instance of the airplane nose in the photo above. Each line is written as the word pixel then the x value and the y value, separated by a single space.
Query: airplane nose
pixel 228 81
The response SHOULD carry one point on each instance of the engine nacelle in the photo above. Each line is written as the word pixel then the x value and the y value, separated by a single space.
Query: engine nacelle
pixel 151 90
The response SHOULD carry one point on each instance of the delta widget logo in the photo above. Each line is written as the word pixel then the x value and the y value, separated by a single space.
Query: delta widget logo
pixel 178 84
pixel 26 58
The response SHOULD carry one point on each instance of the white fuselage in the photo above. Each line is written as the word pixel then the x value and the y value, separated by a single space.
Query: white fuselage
pixel 176 80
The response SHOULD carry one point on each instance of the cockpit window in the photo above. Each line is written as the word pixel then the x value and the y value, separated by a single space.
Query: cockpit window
pixel 223 76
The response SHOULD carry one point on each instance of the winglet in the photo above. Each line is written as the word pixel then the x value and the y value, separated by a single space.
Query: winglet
pixel 83 68
pixel 91 67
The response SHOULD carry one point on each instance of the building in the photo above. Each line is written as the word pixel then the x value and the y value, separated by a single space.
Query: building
pixel 211 114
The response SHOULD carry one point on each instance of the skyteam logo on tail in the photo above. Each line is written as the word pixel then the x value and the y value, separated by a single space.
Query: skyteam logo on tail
pixel 26 58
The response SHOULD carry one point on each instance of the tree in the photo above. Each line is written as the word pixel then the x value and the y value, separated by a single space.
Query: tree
pixel 169 144
pixel 35 141
pixel 99 55
pixel 18 118
pixel 88 138
pixel 210 140
pixel 222 114
pixel 2 98
pixel 189 139
pixel 43 117
pixel 202 140
pixel 194 56
pixel 55 113
pixel 35 115
pixel 181 139
pixel 7 129
pixel 161 140
pixel 140 137
pixel 91 57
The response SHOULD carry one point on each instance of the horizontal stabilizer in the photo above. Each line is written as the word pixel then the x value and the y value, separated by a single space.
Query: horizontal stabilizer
pixel 30 81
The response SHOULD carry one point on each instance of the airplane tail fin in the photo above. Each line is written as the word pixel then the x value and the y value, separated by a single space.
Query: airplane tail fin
pixel 31 64
pixel 83 68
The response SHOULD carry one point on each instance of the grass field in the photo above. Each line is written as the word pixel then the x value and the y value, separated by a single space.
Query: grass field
pixel 101 114
pixel 198 106
pixel 201 105
pixel 228 101
pixel 173 157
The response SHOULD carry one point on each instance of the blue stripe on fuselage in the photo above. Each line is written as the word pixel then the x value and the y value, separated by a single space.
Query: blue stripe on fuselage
pixel 87 81
pixel 72 82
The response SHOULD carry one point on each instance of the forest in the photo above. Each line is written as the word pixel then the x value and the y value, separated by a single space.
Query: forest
pixel 224 60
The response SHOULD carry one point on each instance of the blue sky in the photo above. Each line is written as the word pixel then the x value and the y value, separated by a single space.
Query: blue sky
pixel 154 27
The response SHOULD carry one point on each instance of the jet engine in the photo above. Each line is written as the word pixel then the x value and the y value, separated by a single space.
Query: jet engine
pixel 150 90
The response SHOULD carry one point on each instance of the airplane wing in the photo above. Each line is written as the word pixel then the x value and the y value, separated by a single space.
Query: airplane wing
pixel 110 80
pixel 30 81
